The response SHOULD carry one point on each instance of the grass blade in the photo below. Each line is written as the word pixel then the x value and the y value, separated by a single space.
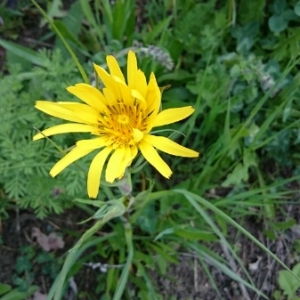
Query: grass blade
pixel 76 61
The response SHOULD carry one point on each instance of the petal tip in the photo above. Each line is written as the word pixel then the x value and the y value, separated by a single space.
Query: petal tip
pixel 92 195
pixel 52 174
pixel 35 137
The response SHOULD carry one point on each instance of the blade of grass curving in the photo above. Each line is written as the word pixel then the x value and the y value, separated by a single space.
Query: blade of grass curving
pixel 80 251
pixel 226 270
pixel 250 193
pixel 76 61
pixel 23 52
pixel 71 258
pixel 193 199
pixel 125 272
pixel 218 232
pixel 112 211
pixel 209 276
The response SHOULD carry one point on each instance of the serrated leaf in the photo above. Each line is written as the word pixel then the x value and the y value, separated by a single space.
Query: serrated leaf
pixel 239 174
pixel 54 11
pixel 249 159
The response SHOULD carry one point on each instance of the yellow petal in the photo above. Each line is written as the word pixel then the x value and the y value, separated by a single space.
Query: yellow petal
pixel 153 97
pixel 108 81
pixel 95 171
pixel 141 83
pixel 166 145
pixel 137 135
pixel 110 96
pixel 69 158
pixel 56 110
pixel 126 160
pixel 86 113
pixel 134 152
pixel 126 94
pixel 136 95
pixel 172 115
pixel 114 68
pixel 113 165
pixel 64 128
pixel 154 159
pixel 88 94
pixel 131 69
pixel 91 143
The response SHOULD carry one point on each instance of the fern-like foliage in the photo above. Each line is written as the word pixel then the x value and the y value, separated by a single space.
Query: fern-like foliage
pixel 199 28
pixel 24 164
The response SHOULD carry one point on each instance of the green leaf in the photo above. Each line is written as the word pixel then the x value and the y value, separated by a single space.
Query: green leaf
pixel 277 23
pixel 4 288
pixel 16 295
pixel 157 30
pixel 87 10
pixel 284 225
pixel 195 234
pixel 279 6
pixel 179 93
pixel 53 11
pixel 67 34
pixel 239 174
pixel 297 8
pixel 286 282
pixel 147 219
pixel 290 15
pixel 177 75
pixel 125 272
pixel 23 52
pixel 23 264
pixel 249 159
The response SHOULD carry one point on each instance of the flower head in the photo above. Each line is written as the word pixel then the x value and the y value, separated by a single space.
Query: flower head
pixel 120 117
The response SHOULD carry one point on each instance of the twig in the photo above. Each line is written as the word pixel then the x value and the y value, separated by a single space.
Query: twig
pixel 235 269
pixel 196 274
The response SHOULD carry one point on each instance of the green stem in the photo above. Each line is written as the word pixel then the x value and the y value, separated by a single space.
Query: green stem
pixel 80 68
pixel 124 276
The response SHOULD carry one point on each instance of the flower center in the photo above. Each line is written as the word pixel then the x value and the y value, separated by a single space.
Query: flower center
pixel 122 124
pixel 123 119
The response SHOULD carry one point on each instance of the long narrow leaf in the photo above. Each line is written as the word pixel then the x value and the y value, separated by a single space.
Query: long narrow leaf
pixel 23 52
pixel 125 272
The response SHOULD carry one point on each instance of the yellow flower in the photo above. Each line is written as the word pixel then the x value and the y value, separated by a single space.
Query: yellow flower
pixel 121 117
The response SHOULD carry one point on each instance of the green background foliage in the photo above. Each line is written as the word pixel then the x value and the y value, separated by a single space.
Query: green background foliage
pixel 236 62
